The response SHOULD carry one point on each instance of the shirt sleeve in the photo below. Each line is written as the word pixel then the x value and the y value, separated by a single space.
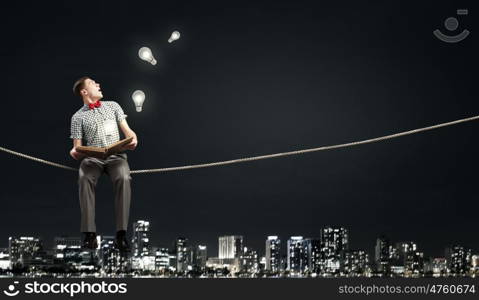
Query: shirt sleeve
pixel 120 115
pixel 76 128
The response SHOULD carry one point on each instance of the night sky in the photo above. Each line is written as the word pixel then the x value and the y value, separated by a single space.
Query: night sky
pixel 249 79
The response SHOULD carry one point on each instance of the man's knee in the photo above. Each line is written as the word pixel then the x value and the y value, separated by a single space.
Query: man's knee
pixel 87 173
pixel 85 178
pixel 122 177
pixel 121 172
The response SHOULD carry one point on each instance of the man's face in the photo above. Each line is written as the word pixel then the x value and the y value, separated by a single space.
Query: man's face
pixel 92 89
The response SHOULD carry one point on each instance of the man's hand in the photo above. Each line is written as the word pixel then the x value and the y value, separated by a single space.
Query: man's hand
pixel 76 155
pixel 132 145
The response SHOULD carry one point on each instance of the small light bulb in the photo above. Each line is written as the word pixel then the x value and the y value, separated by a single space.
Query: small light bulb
pixel 138 98
pixel 145 54
pixel 174 36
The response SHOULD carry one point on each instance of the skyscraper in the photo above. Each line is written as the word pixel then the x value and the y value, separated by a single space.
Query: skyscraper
pixel 201 256
pixel 297 255
pixel 230 246
pixel 143 257
pixel 334 241
pixel 355 263
pixel 162 259
pixel 140 240
pixel 273 255
pixel 435 267
pixel 110 258
pixel 411 258
pixel 249 261
pixel 24 251
pixel 314 254
pixel 183 255
pixel 458 259
pixel 382 255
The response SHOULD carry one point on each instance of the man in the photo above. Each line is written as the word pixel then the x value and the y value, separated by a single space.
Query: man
pixel 96 123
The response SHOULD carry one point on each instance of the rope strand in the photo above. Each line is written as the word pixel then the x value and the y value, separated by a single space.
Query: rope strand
pixel 253 158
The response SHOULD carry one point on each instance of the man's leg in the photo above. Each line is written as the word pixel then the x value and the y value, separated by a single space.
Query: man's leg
pixel 90 170
pixel 119 171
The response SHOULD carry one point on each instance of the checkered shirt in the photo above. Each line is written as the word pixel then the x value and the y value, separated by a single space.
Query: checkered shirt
pixel 98 127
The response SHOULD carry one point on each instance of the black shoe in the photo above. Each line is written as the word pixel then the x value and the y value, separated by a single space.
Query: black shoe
pixel 90 241
pixel 121 243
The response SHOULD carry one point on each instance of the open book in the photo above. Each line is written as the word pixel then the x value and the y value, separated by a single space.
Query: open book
pixel 104 152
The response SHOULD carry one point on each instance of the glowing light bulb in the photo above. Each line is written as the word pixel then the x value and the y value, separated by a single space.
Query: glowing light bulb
pixel 138 98
pixel 146 54
pixel 174 36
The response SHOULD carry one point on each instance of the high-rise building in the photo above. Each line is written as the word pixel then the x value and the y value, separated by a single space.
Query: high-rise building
pixel 334 242
pixel 201 256
pixel 272 254
pixel 313 249
pixel 140 239
pixel 143 257
pixel 458 259
pixel 435 267
pixel 411 258
pixel 25 251
pixel 230 246
pixel 183 255
pixel 297 255
pixel 162 259
pixel 396 262
pixel 356 263
pixel 382 255
pixel 249 261
pixel 111 260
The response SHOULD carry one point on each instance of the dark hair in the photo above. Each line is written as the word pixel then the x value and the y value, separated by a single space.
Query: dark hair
pixel 79 85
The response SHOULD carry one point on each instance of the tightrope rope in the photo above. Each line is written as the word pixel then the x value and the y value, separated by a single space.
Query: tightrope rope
pixel 37 159
pixel 245 159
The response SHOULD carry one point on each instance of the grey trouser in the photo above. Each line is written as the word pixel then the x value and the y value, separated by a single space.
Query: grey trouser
pixel 116 166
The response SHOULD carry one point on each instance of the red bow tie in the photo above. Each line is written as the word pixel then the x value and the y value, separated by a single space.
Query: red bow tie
pixel 93 105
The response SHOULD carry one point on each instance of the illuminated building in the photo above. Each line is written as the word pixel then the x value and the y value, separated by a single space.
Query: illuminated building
pixel 201 256
pixel 25 251
pixel 230 246
pixel 297 255
pixel 334 241
pixel 249 261
pixel 4 259
pixel 458 259
pixel 183 255
pixel 313 250
pixel 273 255
pixel 356 262
pixel 382 255
pixel 140 239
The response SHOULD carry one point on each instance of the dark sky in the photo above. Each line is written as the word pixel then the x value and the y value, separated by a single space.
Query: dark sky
pixel 249 79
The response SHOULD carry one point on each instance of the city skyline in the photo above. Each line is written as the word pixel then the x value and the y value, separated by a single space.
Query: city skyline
pixel 214 245
pixel 330 253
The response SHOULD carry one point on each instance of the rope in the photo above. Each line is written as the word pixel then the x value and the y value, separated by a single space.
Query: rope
pixel 37 159
pixel 253 158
